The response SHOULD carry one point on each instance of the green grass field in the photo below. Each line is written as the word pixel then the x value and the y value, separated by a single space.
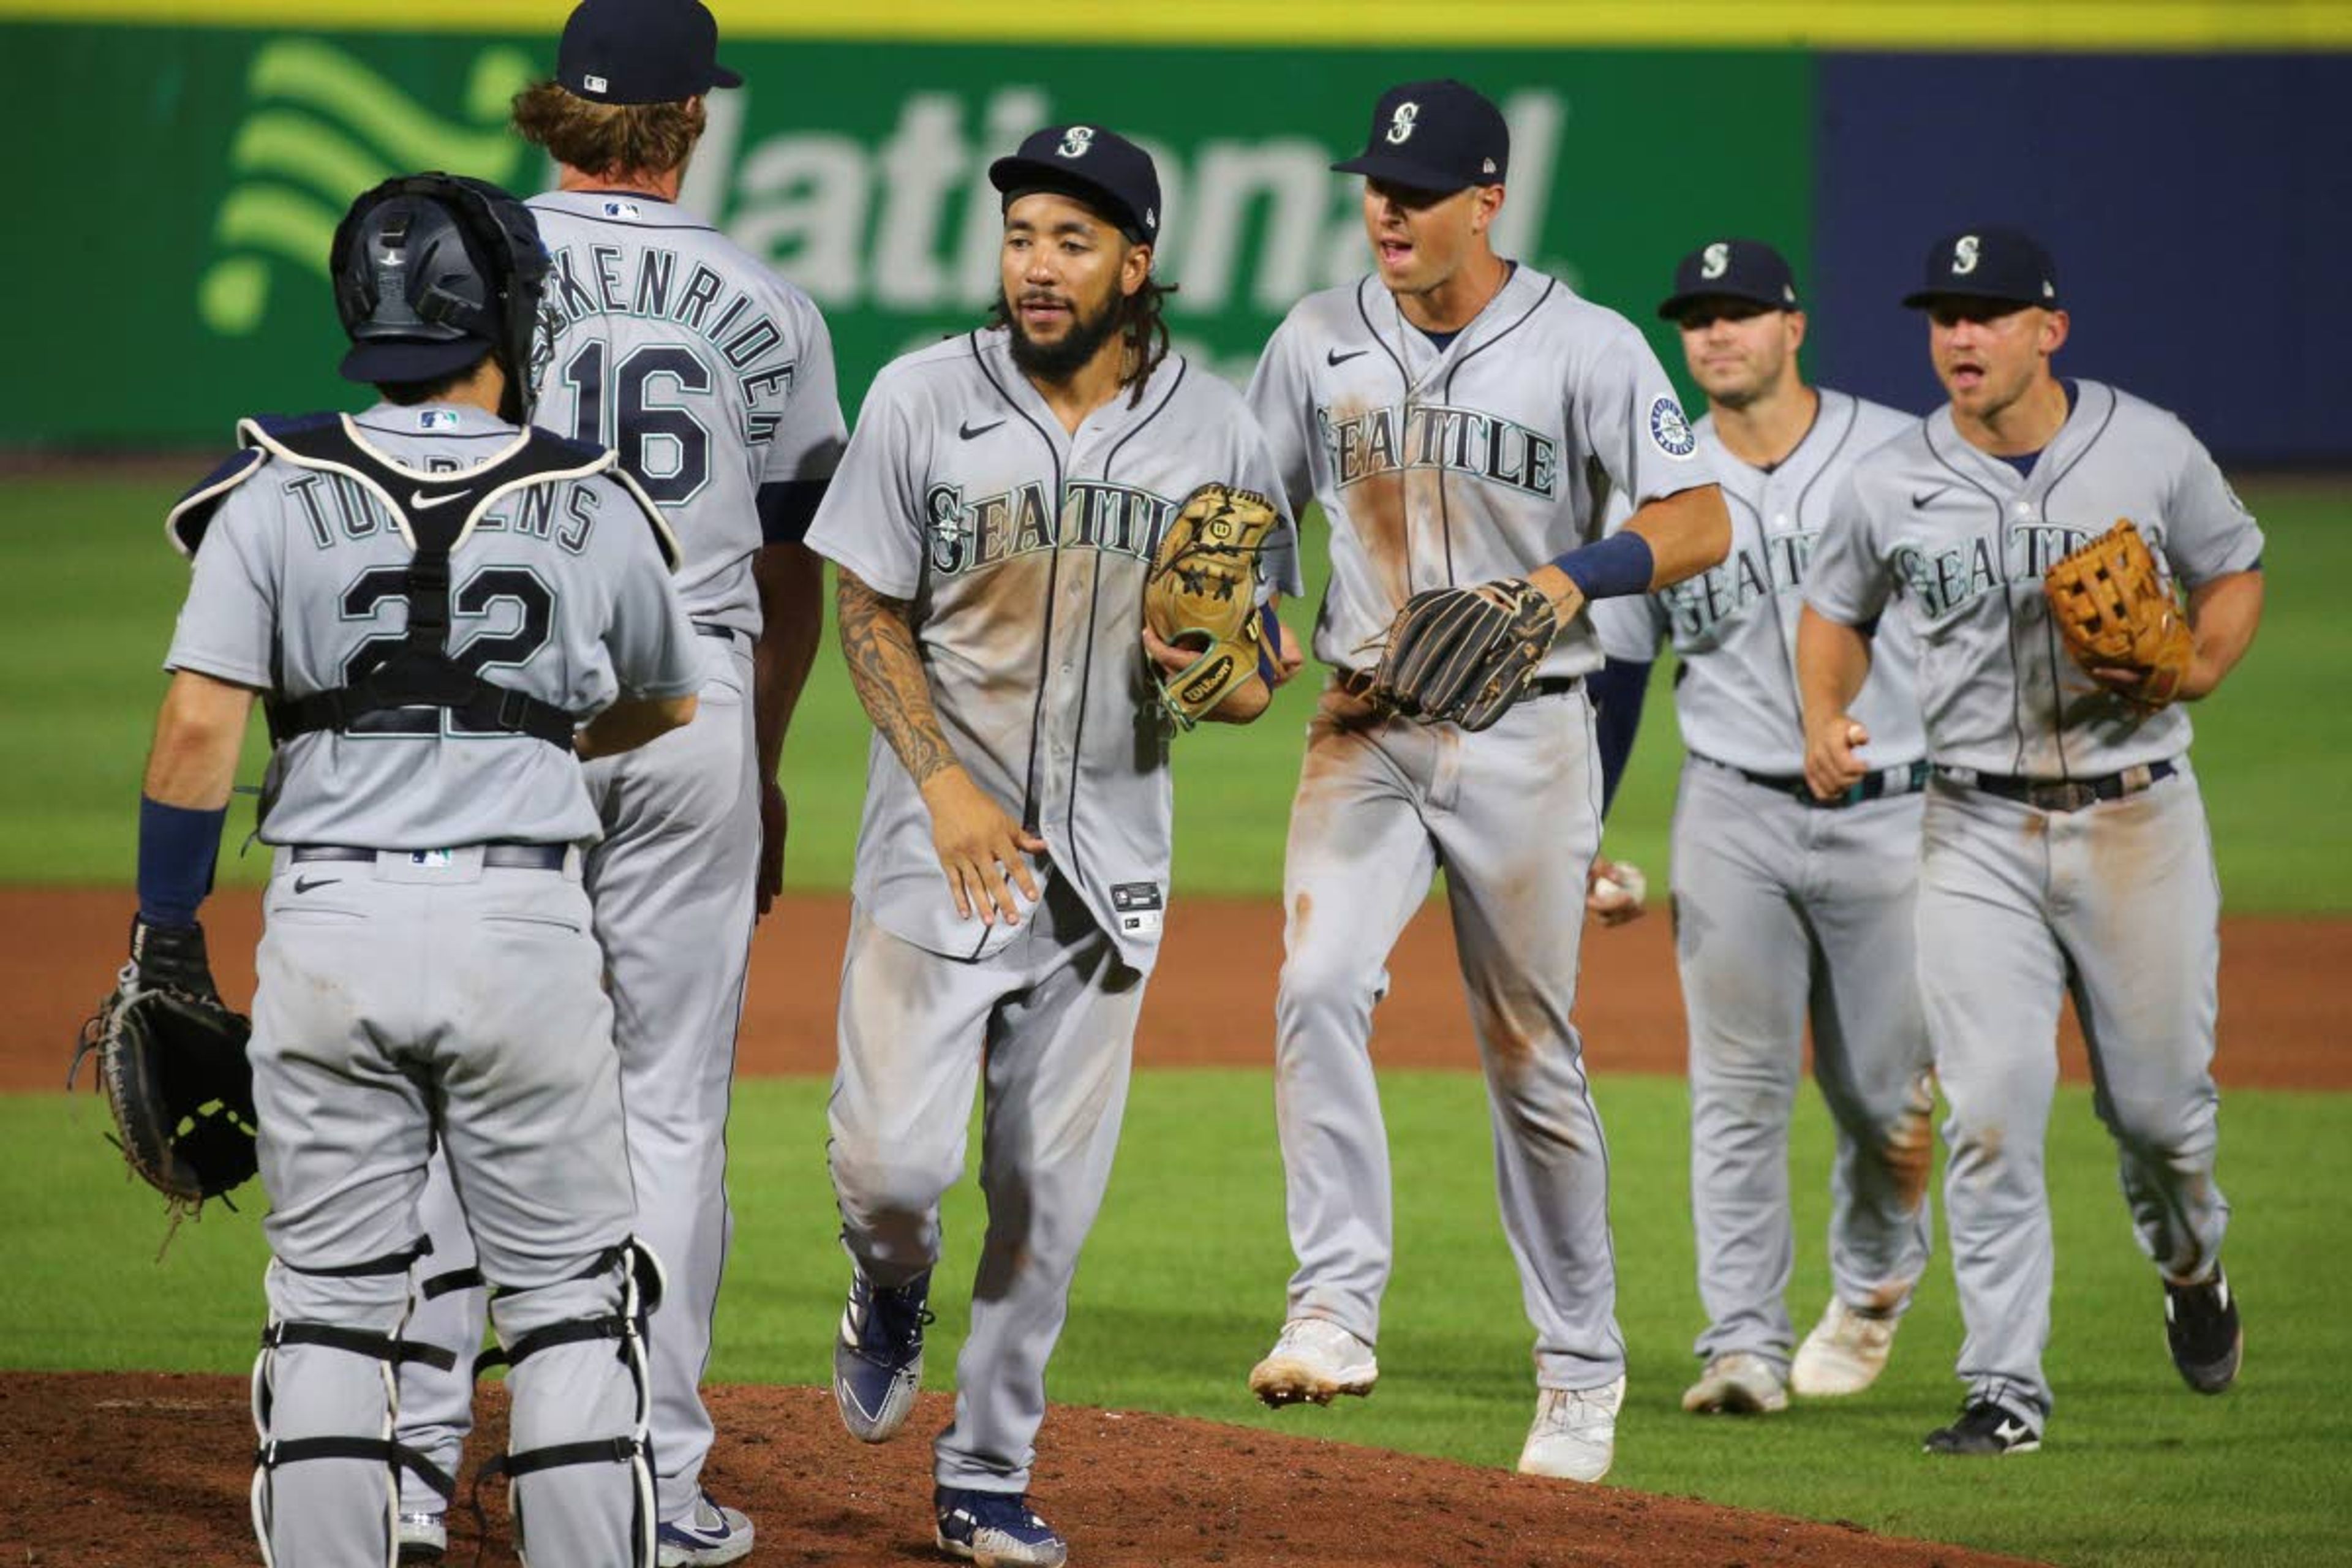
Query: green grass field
pixel 90 588
pixel 1182 1288
pixel 1182 1283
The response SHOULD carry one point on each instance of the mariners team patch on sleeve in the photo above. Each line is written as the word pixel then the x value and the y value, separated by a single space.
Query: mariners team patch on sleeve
pixel 1138 907
pixel 1670 430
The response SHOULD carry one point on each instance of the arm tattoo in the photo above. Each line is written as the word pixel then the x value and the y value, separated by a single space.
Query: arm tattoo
pixel 879 647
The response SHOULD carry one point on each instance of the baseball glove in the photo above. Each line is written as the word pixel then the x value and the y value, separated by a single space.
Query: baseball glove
pixel 1202 596
pixel 2115 612
pixel 172 1065
pixel 1465 654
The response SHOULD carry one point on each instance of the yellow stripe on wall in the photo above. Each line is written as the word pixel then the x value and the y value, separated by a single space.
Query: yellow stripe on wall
pixel 2110 25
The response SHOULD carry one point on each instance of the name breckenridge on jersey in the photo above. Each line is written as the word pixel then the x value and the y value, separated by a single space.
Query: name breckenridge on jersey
pixel 1947 580
pixel 968 534
pixel 1433 435
pixel 654 294
pixel 1695 604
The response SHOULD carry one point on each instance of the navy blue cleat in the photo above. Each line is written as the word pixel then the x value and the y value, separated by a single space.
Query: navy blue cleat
pixel 996 1528
pixel 878 1359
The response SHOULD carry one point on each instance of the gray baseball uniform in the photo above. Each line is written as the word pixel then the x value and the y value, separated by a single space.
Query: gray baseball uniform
pixel 712 380
pixel 1023 550
pixel 1477 460
pixel 1786 912
pixel 428 965
pixel 2098 883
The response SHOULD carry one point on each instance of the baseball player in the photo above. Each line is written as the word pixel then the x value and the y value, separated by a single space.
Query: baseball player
pixel 428 598
pixel 1788 909
pixel 2064 845
pixel 713 381
pixel 1461 418
pixel 994 521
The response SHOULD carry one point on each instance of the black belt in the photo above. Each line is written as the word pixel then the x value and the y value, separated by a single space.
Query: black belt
pixel 2063 794
pixel 713 629
pixel 1359 683
pixel 1899 780
pixel 509 856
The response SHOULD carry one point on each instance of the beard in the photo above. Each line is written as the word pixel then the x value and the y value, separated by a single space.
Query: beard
pixel 1060 360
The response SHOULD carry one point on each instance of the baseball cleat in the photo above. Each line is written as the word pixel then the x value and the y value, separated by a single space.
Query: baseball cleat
pixel 1844 1354
pixel 996 1528
pixel 1313 1361
pixel 1739 1382
pixel 877 1360
pixel 1984 1428
pixel 706 1536
pixel 2200 1324
pixel 1574 1437
pixel 422 1537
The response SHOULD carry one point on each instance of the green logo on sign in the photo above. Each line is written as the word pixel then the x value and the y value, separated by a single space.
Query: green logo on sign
pixel 322 128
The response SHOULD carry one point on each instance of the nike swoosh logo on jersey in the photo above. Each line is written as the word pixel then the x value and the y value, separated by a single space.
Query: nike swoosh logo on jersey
pixel 970 431
pixel 424 502
pixel 304 884
pixel 1924 497
pixel 1335 358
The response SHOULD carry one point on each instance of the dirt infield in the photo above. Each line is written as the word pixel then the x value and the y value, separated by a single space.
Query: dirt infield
pixel 2283 984
pixel 101 1469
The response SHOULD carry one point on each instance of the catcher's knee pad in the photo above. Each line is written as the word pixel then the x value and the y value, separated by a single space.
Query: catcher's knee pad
pixel 580 1448
pixel 326 1475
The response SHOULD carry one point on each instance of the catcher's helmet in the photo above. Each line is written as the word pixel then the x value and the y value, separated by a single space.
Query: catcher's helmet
pixel 431 272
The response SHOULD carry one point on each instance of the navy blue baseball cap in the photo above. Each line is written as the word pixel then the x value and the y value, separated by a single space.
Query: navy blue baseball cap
pixel 1434 136
pixel 1100 167
pixel 1746 269
pixel 641 51
pixel 1988 263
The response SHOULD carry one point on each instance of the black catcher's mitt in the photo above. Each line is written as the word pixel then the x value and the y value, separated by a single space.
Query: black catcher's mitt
pixel 1465 654
pixel 172 1065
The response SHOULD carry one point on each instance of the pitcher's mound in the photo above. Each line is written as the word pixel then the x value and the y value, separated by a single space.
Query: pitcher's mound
pixel 114 1470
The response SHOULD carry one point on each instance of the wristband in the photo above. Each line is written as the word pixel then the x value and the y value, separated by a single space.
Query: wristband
pixel 177 847
pixel 1616 566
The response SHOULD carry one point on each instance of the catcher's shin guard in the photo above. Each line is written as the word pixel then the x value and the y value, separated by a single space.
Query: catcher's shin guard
pixel 326 1395
pixel 580 1448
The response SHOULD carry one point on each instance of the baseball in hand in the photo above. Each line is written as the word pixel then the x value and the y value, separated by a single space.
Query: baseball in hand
pixel 1618 892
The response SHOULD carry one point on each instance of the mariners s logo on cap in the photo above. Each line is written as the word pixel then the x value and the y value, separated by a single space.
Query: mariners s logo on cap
pixel 1718 260
pixel 1964 254
pixel 1076 141
pixel 1400 125
pixel 1670 430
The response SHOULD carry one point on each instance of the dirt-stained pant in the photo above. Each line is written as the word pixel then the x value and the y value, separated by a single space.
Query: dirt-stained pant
pixel 672 883
pixel 1512 814
pixel 2118 906
pixel 1045 1028
pixel 1787 913
pixel 396 993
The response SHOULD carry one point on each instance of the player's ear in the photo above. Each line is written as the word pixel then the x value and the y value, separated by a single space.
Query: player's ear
pixel 1793 323
pixel 1134 268
pixel 1484 210
pixel 2053 330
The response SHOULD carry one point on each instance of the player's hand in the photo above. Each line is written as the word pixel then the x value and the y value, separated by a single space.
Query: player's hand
pixel 1832 764
pixel 1616 893
pixel 773 821
pixel 983 850
pixel 1166 655
pixel 1288 656
pixel 1560 588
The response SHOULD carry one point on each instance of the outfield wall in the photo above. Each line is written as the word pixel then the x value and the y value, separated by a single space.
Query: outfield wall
pixel 167 272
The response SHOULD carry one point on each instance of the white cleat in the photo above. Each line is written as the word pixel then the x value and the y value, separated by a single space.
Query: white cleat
pixel 1574 1437
pixel 1844 1354
pixel 1313 1361
pixel 1738 1382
